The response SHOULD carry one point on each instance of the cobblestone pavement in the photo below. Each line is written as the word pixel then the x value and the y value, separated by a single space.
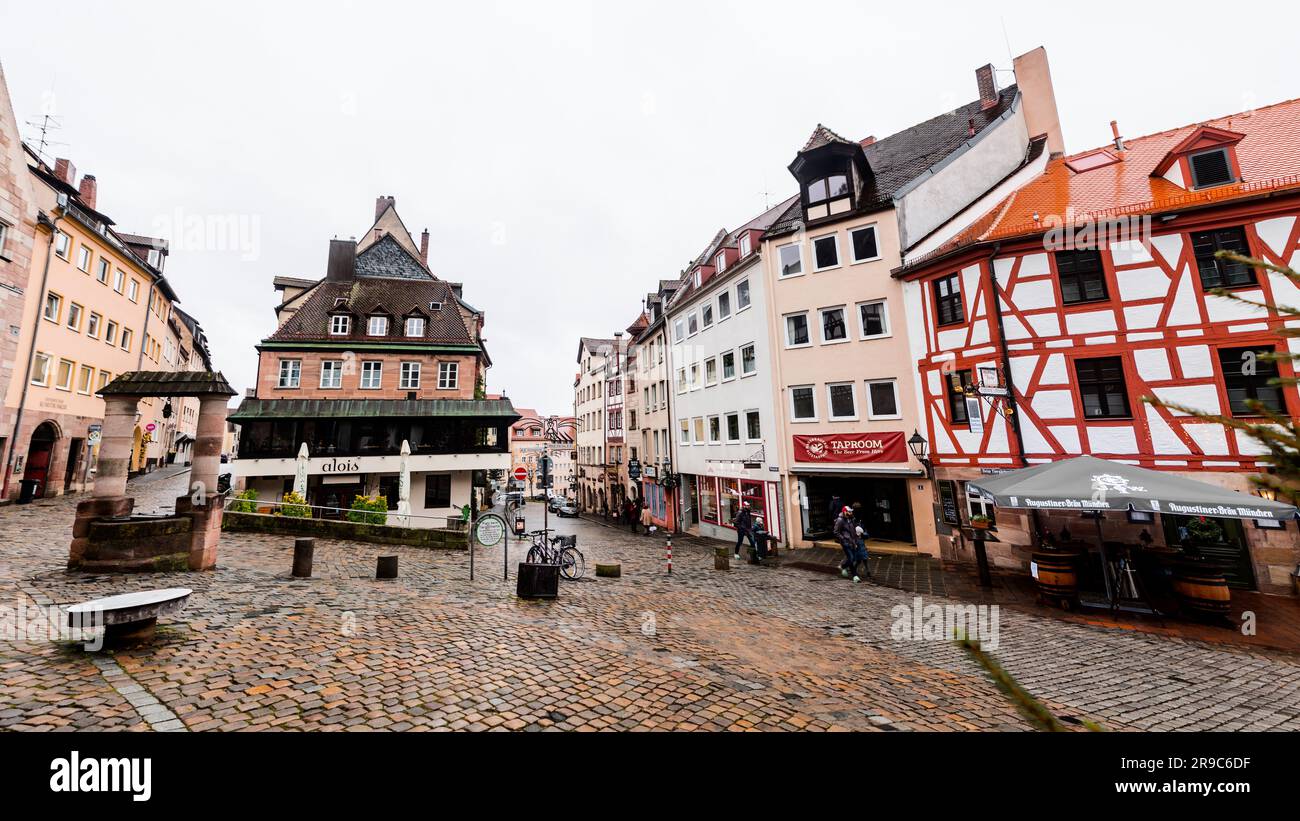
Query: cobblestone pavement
pixel 746 649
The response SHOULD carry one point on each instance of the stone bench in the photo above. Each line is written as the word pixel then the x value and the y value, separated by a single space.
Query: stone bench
pixel 129 615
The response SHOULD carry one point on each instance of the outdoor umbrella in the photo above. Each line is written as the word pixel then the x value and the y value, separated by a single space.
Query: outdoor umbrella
pixel 1087 483
pixel 300 475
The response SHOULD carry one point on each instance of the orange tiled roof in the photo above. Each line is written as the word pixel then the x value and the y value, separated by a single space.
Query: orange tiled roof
pixel 1269 156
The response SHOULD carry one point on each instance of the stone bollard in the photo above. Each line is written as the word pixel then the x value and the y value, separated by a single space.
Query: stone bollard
pixel 609 571
pixel 386 567
pixel 722 558
pixel 303 550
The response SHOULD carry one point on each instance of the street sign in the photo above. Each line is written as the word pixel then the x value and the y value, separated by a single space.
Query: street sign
pixel 94 433
pixel 521 473
pixel 992 390
pixel 151 427
pixel 634 468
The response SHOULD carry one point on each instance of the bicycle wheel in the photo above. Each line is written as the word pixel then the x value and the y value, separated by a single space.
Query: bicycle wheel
pixel 536 555
pixel 572 564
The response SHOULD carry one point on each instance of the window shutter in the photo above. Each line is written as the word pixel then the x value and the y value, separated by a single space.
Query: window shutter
pixel 1211 168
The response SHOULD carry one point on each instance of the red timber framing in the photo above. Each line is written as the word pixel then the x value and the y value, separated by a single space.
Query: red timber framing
pixel 1157 318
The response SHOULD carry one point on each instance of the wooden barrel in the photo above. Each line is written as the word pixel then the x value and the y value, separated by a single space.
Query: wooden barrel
pixel 1202 590
pixel 1058 577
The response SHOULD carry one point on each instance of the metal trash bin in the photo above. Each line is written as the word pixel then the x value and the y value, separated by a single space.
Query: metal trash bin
pixel 27 490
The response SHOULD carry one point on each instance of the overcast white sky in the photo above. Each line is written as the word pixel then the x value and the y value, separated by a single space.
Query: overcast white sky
pixel 564 155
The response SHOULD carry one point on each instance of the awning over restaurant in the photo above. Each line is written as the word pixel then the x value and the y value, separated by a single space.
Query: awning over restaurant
pixel 252 410
pixel 1087 483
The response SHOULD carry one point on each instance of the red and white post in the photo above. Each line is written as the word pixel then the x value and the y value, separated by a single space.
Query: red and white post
pixel 669 548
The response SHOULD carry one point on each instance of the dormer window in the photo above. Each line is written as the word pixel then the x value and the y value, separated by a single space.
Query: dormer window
pixel 340 325
pixel 435 306
pixel 1211 168
pixel 378 326
pixel 828 188
pixel 721 261
pixel 415 326
pixel 744 245
pixel 340 300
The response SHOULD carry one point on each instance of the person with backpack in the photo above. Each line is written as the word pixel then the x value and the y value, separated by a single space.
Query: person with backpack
pixel 860 557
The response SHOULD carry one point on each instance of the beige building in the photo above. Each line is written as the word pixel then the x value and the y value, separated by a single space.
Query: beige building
pixel 97 305
pixel 651 373
pixel 845 387
pixel 589 411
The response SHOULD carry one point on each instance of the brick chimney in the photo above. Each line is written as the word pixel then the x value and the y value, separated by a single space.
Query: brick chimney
pixel 424 247
pixel 342 261
pixel 65 170
pixel 383 203
pixel 988 86
pixel 89 190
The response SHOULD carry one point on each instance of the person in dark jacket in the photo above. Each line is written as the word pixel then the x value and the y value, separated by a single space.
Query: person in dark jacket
pixel 744 524
pixel 846 534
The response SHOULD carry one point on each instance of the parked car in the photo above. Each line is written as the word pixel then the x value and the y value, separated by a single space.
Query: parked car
pixel 554 504
pixel 567 509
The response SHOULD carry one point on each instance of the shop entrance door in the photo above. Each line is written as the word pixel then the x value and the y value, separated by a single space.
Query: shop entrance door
pixel 884 503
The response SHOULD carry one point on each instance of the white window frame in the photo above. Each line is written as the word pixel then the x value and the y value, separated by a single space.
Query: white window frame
pixel 862 328
pixel 89 372
pixel 812 246
pixel 684 432
pixel 101 275
pixel 744 373
pixel 126 337
pixel 74 309
pixel 340 325
pixel 693 377
pixel 54 299
pixel 712 360
pixel 749 298
pixel 726 418
pixel 780 267
pixel 724 298
pixel 830 405
pixel 853 249
pixel 407 328
pixel 119 280
pixel 72 372
pixel 706 316
pixel 84 257
pixel 844 318
pixel 408 369
pixel 682 384
pixel 133 289
pixel 679 330
pixel 745 420
pixel 708 428
pixel 377 326
pixel 37 359
pixel 448 376
pixel 744 245
pixel 95 320
pixel 800 420
pixel 62 244
pixel 699 431
pixel 722 366
pixel 898 405
pixel 290 377
pixel 692 325
pixel 110 332
pixel 334 369
pixel 790 344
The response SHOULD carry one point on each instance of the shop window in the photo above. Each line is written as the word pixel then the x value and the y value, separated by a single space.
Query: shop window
pixel 708 499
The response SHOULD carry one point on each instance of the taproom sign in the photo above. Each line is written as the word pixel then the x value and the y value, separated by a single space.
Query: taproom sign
pixel 851 447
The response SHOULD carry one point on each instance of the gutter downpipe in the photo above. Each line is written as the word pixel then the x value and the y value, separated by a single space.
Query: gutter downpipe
pixel 31 357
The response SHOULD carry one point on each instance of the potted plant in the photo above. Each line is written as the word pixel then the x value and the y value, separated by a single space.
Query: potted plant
pixel 980 522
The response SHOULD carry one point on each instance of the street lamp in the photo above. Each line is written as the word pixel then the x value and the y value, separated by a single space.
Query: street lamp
pixel 921 450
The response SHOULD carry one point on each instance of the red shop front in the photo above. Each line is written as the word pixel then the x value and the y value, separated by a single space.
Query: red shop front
pixel 867 471
pixel 717 500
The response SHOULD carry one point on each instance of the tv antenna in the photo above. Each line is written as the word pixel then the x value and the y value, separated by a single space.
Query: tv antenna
pixel 46 124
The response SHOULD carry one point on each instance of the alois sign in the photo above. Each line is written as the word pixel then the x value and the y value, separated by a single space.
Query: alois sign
pixel 851 447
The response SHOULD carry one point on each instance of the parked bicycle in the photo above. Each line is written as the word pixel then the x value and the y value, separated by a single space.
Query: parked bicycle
pixel 561 550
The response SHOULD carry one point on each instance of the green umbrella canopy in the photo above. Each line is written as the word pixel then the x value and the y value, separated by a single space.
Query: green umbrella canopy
pixel 1089 483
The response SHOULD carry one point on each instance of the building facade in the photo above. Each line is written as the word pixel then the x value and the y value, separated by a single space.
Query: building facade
pixel 378 363
pixel 649 361
pixel 723 414
pixel 1039 331
pixel 846 391
pixel 589 408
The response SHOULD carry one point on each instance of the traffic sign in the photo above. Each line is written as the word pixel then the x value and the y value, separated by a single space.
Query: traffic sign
pixel 521 473
pixel 150 427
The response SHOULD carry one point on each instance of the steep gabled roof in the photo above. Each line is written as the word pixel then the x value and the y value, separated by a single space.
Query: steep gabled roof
pixel 366 295
pixel 389 258
pixel 389 224
pixel 823 136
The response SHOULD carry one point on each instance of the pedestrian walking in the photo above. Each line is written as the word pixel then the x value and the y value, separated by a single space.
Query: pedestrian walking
pixel 847 536
pixel 861 557
pixel 645 518
pixel 758 537
pixel 744 524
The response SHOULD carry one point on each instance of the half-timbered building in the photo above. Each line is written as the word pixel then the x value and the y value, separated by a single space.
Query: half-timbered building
pixel 1039 331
